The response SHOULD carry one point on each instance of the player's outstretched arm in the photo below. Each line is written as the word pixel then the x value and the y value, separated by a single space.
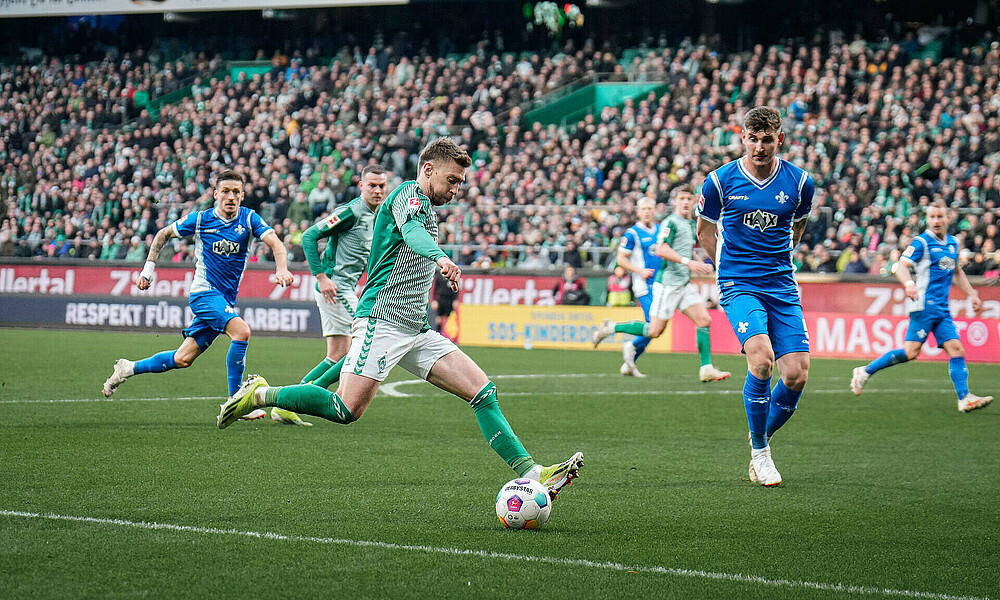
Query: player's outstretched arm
pixel 706 237
pixel 663 250
pixel 162 236
pixel 310 245
pixel 281 274
pixel 963 284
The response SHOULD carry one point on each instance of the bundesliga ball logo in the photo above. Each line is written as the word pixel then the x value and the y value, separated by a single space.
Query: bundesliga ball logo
pixel 523 504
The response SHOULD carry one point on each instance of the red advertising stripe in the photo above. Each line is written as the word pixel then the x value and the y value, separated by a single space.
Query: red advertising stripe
pixel 845 335
pixel 48 279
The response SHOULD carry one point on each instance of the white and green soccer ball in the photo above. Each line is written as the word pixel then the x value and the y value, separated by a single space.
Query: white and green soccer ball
pixel 523 504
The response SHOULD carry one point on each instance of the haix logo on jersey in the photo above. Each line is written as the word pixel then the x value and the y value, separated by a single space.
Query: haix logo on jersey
pixel 225 247
pixel 761 220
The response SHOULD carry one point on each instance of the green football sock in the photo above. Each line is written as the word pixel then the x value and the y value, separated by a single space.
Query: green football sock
pixel 633 328
pixel 704 346
pixel 310 400
pixel 497 430
pixel 331 376
pixel 317 371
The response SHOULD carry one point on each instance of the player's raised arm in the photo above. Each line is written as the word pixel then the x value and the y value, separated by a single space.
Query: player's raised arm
pixel 282 276
pixel 162 236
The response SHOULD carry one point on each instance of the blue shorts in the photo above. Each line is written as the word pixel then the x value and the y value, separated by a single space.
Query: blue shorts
pixel 212 312
pixel 924 322
pixel 646 302
pixel 774 313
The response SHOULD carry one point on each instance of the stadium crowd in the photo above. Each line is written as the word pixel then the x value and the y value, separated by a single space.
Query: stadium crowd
pixel 88 172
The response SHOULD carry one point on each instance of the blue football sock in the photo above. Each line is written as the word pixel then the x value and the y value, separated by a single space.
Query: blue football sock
pixel 157 363
pixel 959 376
pixel 783 403
pixel 235 360
pixel 756 396
pixel 640 344
pixel 892 357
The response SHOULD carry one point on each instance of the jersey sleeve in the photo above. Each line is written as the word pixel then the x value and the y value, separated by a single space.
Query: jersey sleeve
pixel 710 206
pixel 629 241
pixel 409 206
pixel 186 225
pixel 807 189
pixel 914 252
pixel 341 220
pixel 667 232
pixel 258 225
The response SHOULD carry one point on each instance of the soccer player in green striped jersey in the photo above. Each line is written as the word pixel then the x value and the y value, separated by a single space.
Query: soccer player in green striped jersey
pixel 672 287
pixel 348 231
pixel 391 328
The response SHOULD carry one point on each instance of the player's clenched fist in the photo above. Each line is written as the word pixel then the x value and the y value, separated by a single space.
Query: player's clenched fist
pixel 450 271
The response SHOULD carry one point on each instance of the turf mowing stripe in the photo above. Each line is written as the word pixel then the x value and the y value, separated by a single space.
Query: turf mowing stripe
pixel 389 389
pixel 569 562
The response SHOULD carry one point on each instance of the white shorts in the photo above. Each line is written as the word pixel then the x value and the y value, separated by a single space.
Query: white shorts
pixel 377 346
pixel 335 319
pixel 666 300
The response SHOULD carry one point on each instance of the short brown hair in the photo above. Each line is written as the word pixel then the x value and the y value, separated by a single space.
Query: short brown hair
pixel 444 148
pixel 682 188
pixel 373 170
pixel 230 175
pixel 762 118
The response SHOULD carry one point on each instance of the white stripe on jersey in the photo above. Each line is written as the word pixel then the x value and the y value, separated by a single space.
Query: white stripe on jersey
pixel 200 282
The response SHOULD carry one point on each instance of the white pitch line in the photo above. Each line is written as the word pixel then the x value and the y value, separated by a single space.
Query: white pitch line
pixel 569 562
pixel 72 400
pixel 389 389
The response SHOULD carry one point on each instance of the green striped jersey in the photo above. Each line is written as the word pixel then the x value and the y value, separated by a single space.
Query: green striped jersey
pixel 679 234
pixel 399 279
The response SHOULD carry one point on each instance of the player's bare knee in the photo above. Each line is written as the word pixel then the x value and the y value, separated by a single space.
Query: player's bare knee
pixel 796 379
pixel 183 362
pixel 761 367
pixel 705 321
pixel 912 353
pixel 656 331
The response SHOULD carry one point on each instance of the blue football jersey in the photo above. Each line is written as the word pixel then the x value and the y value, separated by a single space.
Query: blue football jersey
pixel 221 248
pixel 754 218
pixel 640 242
pixel 935 261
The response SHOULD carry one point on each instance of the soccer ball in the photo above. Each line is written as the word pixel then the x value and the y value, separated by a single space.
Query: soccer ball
pixel 523 504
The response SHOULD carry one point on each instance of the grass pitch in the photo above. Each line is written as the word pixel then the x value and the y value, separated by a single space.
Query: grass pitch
pixel 893 494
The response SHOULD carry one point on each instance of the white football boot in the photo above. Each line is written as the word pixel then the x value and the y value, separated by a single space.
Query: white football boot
pixel 859 379
pixel 124 369
pixel 605 330
pixel 972 402
pixel 709 373
pixel 762 469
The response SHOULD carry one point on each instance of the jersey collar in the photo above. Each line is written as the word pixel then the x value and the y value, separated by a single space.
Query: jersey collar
pixel 761 184
pixel 943 240
pixel 215 211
